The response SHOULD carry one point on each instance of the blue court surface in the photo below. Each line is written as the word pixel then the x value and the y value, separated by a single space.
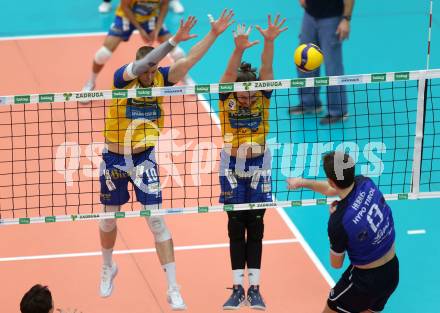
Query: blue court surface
pixel 386 36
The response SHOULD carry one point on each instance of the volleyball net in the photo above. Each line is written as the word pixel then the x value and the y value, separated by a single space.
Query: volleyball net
pixel 51 145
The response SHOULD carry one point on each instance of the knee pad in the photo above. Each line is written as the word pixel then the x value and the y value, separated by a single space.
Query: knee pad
pixel 255 229
pixel 236 230
pixel 159 228
pixel 102 55
pixel 108 224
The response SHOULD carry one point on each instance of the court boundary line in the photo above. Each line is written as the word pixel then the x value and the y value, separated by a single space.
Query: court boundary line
pixel 137 251
pixel 312 255
pixel 30 37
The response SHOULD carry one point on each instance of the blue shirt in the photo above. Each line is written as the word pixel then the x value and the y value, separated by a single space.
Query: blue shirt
pixel 362 224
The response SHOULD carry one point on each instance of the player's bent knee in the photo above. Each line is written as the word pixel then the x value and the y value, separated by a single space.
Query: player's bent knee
pixel 102 55
pixel 159 228
pixel 256 230
pixel 107 225
pixel 236 230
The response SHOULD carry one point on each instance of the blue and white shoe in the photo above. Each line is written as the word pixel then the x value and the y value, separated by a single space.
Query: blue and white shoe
pixel 255 299
pixel 236 300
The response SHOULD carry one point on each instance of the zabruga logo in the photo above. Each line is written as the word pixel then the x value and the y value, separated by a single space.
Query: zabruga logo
pixel 74 217
pixel 82 95
pixel 268 84
pixel 67 96
pixel 262 85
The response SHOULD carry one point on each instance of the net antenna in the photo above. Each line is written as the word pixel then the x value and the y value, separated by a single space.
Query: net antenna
pixel 421 114
pixel 428 56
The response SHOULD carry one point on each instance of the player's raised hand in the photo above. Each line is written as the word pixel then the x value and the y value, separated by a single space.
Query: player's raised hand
pixel 295 183
pixel 273 29
pixel 241 37
pixel 222 23
pixel 183 33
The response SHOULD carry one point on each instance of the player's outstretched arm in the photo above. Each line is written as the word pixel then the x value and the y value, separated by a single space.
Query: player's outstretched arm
pixel 138 67
pixel 241 40
pixel 179 69
pixel 321 187
pixel 272 31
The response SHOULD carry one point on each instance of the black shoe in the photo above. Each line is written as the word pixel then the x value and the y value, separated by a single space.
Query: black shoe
pixel 236 300
pixel 255 299
pixel 299 109
pixel 328 119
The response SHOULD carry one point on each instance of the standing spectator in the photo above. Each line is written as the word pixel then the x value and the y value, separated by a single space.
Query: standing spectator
pixel 326 23
pixel 105 6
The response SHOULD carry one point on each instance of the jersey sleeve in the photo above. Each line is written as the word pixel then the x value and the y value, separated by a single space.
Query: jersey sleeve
pixel 118 78
pixel 337 236
pixel 165 71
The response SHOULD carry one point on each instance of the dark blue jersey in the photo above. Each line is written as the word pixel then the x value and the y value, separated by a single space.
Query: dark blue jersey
pixel 362 224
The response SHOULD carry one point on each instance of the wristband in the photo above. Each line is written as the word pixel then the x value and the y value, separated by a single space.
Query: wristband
pixel 172 42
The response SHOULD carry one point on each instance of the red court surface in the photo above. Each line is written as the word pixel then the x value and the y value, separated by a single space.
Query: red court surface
pixel 291 282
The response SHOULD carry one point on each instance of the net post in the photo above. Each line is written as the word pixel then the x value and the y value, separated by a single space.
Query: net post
pixel 418 138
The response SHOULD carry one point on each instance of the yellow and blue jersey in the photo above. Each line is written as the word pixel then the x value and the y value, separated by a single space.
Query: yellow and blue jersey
pixel 143 10
pixel 135 121
pixel 242 125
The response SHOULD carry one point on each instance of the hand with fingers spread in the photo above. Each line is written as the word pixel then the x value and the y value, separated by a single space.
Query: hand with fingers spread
pixel 222 23
pixel 241 37
pixel 273 29
pixel 183 33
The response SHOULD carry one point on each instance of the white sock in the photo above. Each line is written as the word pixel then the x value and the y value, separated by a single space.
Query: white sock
pixel 107 256
pixel 237 277
pixel 93 77
pixel 254 276
pixel 170 271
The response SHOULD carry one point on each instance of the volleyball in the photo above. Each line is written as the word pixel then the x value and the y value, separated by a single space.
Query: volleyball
pixel 308 57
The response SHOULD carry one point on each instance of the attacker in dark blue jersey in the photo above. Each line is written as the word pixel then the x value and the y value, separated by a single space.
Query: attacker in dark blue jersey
pixel 361 224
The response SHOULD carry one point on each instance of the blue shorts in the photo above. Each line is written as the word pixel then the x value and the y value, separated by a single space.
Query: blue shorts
pixel 140 169
pixel 122 28
pixel 245 181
